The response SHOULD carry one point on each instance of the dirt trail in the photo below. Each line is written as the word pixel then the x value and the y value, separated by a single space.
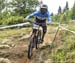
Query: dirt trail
pixel 18 53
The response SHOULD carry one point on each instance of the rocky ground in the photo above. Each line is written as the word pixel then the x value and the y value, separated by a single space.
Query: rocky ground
pixel 14 49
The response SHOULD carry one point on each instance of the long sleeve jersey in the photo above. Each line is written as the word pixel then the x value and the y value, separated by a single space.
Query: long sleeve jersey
pixel 40 16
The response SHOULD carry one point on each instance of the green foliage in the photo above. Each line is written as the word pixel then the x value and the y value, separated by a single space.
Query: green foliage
pixel 11 20
pixel 1 5
pixel 24 6
pixel 73 12
pixel 53 18
pixel 67 7
pixel 60 56
pixel 19 8
pixel 64 52
pixel 68 39
pixel 71 55
pixel 59 10
pixel 65 18
pixel 57 18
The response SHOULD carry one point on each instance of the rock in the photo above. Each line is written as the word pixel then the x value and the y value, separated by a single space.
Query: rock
pixel 5 41
pixel 48 61
pixel 4 46
pixel 4 60
pixel 12 45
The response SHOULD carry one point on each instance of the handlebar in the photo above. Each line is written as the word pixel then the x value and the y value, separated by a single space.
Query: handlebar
pixel 52 23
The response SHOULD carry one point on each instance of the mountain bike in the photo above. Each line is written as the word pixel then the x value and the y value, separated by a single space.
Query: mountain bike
pixel 34 42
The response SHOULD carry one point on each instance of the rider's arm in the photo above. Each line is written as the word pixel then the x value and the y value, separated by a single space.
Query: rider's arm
pixel 49 17
pixel 31 15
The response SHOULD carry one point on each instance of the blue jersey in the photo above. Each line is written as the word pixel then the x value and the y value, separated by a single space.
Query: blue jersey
pixel 40 16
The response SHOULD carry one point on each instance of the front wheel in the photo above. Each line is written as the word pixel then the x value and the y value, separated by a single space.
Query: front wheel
pixel 31 46
pixel 38 39
pixel 30 50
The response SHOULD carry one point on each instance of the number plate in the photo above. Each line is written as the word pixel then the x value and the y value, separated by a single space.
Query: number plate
pixel 35 26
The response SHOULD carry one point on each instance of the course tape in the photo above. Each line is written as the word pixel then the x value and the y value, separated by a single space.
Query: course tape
pixel 67 29
pixel 27 23
pixel 15 25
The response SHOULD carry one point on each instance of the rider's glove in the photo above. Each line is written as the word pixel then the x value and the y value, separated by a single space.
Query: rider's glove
pixel 49 22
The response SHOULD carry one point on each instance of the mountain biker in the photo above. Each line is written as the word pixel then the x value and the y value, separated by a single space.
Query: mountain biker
pixel 40 19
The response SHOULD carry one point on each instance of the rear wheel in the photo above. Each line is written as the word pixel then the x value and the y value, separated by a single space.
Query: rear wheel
pixel 39 36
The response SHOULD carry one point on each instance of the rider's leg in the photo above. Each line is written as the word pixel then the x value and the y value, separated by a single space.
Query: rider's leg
pixel 44 32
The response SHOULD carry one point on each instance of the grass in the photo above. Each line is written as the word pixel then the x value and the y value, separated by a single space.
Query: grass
pixel 71 25
pixel 11 32
pixel 67 53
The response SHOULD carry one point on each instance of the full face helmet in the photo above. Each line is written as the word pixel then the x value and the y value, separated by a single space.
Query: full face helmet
pixel 43 8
